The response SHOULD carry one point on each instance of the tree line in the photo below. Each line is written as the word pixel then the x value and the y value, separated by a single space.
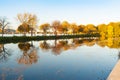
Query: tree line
pixel 29 23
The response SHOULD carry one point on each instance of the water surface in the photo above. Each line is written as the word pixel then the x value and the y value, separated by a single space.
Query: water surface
pixel 69 59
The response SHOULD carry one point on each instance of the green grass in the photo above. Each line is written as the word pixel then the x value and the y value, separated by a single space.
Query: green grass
pixel 16 39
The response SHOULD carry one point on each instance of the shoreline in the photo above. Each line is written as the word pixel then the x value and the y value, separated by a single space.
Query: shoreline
pixel 15 39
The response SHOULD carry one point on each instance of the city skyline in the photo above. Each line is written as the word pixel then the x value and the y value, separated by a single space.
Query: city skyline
pixel 73 11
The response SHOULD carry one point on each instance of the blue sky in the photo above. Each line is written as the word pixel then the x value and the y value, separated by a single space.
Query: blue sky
pixel 79 11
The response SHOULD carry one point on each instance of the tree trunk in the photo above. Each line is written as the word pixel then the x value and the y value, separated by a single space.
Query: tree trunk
pixel 2 32
pixel 31 32
pixel 55 33
pixel 45 32
pixel 24 33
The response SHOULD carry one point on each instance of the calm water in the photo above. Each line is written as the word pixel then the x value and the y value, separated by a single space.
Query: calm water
pixel 73 59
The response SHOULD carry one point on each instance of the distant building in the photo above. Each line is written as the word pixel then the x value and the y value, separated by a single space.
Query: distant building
pixel 9 31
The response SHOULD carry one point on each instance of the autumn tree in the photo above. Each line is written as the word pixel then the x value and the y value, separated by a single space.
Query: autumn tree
pixel 113 29
pixel 74 28
pixel 29 19
pixel 110 30
pixel 117 29
pixel 45 27
pixel 90 28
pixel 102 30
pixel 32 23
pixel 81 28
pixel 3 24
pixel 24 28
pixel 55 25
pixel 65 27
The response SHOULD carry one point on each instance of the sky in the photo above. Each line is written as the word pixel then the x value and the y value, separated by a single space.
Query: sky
pixel 74 11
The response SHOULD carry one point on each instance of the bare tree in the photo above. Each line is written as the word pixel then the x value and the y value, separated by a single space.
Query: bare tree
pixel 3 23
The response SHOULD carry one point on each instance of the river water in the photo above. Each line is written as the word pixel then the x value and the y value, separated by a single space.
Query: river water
pixel 65 59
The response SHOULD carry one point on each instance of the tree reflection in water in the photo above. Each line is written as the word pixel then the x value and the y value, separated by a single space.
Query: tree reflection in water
pixel 110 42
pixel 90 42
pixel 4 53
pixel 56 48
pixel 61 45
pixel 44 45
pixel 64 45
pixel 30 55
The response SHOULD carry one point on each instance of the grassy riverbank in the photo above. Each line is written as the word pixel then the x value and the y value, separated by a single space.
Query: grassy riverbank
pixel 16 39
